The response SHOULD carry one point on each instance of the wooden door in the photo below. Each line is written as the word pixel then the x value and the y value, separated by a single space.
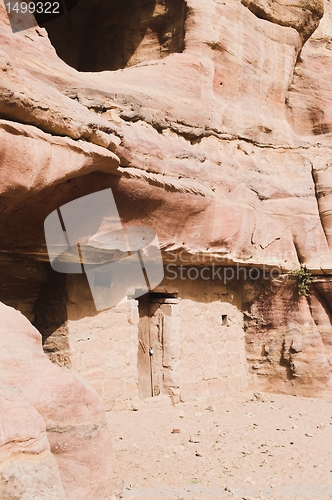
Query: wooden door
pixel 143 352
pixel 155 350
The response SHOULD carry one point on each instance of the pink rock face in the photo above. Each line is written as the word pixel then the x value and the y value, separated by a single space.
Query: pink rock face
pixel 27 467
pixel 203 129
pixel 211 122
pixel 309 97
pixel 23 429
pixel 292 335
pixel 72 411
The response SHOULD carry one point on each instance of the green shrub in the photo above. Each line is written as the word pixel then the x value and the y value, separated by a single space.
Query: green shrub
pixel 303 278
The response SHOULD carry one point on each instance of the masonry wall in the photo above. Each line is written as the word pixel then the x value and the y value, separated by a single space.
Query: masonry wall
pixel 204 335
pixel 104 346
pixel 212 353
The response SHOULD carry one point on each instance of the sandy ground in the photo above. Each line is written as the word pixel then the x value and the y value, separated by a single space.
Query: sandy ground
pixel 277 447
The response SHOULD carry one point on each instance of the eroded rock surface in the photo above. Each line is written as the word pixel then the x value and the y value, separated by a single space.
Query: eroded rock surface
pixel 289 340
pixel 302 16
pixel 27 467
pixel 213 127
pixel 209 122
pixel 52 424
pixel 309 96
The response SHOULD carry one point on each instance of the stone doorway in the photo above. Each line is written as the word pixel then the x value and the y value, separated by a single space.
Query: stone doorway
pixel 155 357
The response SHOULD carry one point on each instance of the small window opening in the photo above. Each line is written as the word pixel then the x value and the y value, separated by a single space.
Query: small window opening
pixel 224 320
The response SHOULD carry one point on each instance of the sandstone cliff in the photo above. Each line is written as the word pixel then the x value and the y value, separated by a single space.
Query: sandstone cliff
pixel 227 126
pixel 55 441
pixel 212 122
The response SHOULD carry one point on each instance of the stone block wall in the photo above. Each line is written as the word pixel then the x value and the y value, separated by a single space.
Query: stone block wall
pixel 212 352
pixel 104 346
pixel 204 346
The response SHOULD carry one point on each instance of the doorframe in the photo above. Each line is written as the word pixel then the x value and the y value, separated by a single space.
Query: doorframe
pixel 147 299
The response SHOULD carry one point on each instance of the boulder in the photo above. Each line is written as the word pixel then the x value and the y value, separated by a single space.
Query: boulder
pixel 53 414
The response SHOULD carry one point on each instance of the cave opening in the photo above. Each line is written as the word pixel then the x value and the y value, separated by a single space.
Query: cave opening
pixel 113 34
